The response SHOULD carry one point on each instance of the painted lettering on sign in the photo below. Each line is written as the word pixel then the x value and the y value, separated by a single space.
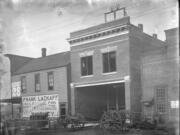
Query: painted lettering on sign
pixel 43 103
pixel 16 89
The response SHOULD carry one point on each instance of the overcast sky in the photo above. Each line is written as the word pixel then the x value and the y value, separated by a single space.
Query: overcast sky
pixel 31 25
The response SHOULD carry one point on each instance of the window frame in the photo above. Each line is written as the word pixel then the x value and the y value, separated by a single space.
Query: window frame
pixel 23 79
pixel 37 74
pixel 48 80
pixel 88 69
pixel 62 106
pixel 108 61
pixel 161 97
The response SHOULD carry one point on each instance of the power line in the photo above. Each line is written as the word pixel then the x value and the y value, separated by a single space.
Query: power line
pixel 50 27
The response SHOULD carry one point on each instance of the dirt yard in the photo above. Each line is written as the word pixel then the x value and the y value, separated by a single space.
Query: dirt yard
pixel 96 131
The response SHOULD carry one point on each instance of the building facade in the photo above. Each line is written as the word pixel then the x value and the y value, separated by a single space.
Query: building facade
pixel 14 100
pixel 5 81
pixel 44 84
pixel 108 67
pixel 160 79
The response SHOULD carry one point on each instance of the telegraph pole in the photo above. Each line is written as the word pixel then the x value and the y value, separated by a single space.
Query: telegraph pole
pixel 114 12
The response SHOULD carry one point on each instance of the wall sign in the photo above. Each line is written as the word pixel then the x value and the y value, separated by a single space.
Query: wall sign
pixel 42 103
pixel 16 89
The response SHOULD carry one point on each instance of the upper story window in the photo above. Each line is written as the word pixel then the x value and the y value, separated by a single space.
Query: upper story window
pixel 160 93
pixel 109 62
pixel 86 65
pixel 37 82
pixel 23 84
pixel 50 80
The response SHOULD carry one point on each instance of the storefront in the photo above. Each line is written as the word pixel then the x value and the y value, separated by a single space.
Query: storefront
pixel 93 100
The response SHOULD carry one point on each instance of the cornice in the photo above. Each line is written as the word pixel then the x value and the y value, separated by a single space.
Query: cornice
pixel 99 35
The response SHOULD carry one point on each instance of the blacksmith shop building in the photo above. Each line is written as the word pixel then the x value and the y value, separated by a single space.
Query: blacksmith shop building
pixel 109 68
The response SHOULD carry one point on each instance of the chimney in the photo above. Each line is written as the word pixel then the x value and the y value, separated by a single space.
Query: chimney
pixel 155 35
pixel 140 26
pixel 43 52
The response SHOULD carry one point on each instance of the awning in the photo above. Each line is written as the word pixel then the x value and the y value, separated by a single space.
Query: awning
pixel 11 100
pixel 99 83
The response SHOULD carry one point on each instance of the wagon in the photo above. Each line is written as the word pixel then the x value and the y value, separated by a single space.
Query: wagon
pixel 74 122
pixel 118 121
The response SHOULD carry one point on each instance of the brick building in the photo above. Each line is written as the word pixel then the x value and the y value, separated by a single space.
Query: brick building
pixel 108 67
pixel 43 84
pixel 160 79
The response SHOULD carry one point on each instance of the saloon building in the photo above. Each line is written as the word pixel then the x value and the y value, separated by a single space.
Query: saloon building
pixel 116 65
pixel 42 84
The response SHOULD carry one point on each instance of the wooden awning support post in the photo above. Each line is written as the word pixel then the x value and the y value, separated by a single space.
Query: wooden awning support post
pixel 117 99
pixel 107 92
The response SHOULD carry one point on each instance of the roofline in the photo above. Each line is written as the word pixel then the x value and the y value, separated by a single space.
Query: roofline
pixel 40 70
pixel 148 35
pixel 175 28
pixel 98 25
pixel 53 54
pixel 7 54
pixel 37 57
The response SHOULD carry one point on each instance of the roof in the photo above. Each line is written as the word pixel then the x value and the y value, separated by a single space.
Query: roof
pixel 100 27
pixel 44 63
pixel 17 61
pixel 11 100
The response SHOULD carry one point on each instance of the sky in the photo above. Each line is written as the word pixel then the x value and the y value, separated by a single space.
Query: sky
pixel 26 26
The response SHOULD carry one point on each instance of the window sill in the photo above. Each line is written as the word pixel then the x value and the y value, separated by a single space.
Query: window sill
pixel 109 73
pixel 87 76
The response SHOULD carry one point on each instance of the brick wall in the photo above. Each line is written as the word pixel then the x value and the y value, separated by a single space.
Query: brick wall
pixel 122 60
pixel 160 67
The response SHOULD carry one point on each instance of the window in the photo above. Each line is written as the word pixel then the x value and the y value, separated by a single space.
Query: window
pixel 50 81
pixel 62 110
pixel 23 84
pixel 37 82
pixel 109 62
pixel 161 100
pixel 160 93
pixel 86 66
pixel 161 108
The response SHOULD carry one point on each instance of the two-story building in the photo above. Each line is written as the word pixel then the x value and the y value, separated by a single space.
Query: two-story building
pixel 160 79
pixel 43 83
pixel 108 68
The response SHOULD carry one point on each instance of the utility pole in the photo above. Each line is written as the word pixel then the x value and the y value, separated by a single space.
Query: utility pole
pixel 114 12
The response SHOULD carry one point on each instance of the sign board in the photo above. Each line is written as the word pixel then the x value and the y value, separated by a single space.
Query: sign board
pixel 175 104
pixel 42 103
pixel 16 89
